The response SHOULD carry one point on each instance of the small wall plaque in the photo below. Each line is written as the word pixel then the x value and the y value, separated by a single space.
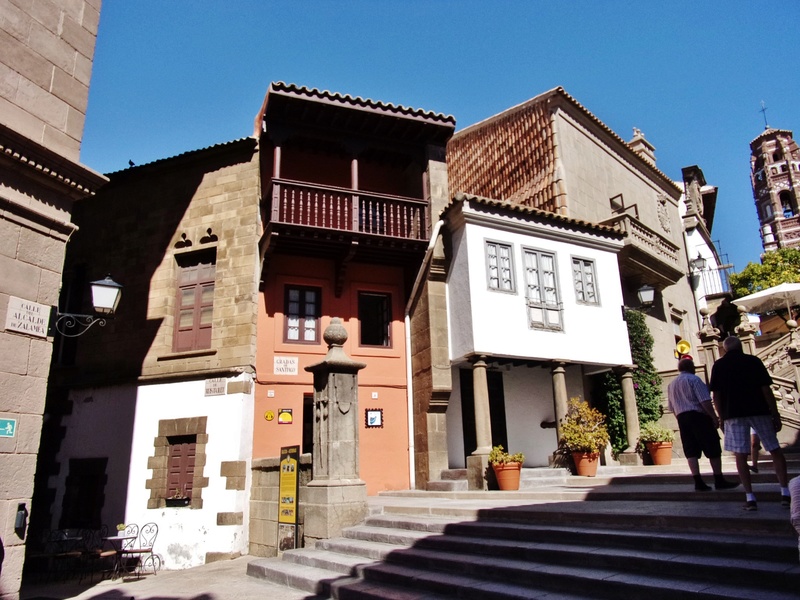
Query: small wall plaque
pixel 374 417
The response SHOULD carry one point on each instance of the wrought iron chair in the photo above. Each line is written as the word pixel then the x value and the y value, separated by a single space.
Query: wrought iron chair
pixel 143 552
pixel 122 560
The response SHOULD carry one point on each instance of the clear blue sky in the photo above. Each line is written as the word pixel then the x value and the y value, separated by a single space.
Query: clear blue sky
pixel 170 77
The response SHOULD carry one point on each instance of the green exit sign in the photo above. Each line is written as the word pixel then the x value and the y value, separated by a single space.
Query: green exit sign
pixel 8 427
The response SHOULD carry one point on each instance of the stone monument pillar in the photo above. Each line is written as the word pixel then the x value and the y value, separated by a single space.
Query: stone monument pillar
pixel 709 342
pixel 746 331
pixel 336 497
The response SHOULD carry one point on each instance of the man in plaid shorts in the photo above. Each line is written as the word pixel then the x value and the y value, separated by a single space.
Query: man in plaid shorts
pixel 690 402
pixel 742 395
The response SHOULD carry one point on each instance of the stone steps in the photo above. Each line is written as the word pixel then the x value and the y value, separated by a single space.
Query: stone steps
pixel 629 533
pixel 516 553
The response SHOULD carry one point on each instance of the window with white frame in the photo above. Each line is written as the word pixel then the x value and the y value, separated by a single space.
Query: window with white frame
pixel 499 267
pixel 541 290
pixel 584 278
pixel 302 311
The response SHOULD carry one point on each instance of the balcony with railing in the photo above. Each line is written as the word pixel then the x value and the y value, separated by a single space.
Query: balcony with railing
pixel 647 253
pixel 324 207
pixel 345 224
pixel 712 281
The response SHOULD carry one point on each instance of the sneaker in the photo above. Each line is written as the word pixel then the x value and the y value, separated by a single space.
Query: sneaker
pixel 786 500
pixel 752 469
pixel 726 485
pixel 701 487
pixel 750 505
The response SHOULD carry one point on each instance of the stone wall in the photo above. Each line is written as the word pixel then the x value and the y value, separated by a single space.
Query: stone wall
pixel 45 68
pixel 138 228
pixel 264 494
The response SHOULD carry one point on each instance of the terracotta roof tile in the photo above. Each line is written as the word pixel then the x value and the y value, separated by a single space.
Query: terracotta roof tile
pixel 358 102
pixel 480 160
pixel 186 154
pixel 535 212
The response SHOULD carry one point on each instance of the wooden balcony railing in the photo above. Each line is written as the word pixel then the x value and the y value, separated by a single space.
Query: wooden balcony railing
pixel 325 207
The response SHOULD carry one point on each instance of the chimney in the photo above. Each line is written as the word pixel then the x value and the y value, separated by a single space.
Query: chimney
pixel 642 147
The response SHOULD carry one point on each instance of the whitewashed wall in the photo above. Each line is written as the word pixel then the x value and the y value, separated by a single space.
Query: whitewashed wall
pixel 486 321
pixel 528 395
pixel 185 535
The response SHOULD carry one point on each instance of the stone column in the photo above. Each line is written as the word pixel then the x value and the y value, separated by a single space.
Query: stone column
pixel 478 461
pixel 629 455
pixel 336 496
pixel 793 350
pixel 558 375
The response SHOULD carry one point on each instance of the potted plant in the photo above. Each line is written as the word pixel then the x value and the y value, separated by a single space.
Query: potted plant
pixel 584 435
pixel 178 499
pixel 506 467
pixel 657 440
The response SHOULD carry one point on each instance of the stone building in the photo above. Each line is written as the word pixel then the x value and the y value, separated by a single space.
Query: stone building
pixel 234 259
pixel 45 69
pixel 775 177
pixel 550 154
pixel 553 154
pixel 152 421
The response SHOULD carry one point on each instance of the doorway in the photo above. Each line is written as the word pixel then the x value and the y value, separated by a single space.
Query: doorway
pixel 497 410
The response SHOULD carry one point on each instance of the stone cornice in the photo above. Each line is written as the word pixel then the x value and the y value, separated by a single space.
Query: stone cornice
pixel 47 166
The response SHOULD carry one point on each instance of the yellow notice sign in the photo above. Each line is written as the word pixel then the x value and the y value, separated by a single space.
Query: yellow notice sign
pixel 287 499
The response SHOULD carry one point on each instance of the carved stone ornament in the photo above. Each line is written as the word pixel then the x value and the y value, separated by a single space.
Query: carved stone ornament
pixel 663 214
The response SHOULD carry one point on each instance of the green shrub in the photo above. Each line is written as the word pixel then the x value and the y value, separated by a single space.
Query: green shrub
pixel 646 384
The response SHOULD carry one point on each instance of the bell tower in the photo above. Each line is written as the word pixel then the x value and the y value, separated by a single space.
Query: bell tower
pixel 775 177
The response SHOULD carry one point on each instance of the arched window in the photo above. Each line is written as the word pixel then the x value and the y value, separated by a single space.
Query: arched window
pixel 787 205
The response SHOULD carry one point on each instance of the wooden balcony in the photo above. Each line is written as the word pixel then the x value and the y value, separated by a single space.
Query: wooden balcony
pixel 344 224
pixel 322 207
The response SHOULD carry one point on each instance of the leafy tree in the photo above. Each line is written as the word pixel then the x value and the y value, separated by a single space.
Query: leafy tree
pixel 776 267
pixel 646 384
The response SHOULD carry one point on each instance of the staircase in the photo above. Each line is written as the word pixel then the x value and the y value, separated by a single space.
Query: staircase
pixel 620 535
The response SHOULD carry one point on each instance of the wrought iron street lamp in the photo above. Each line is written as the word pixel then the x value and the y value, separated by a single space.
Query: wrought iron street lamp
pixel 106 294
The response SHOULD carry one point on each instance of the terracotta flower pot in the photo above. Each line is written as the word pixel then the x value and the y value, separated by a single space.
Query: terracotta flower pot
pixel 586 463
pixel 507 475
pixel 660 452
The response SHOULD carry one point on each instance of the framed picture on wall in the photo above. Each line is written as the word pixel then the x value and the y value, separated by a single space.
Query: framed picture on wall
pixel 374 417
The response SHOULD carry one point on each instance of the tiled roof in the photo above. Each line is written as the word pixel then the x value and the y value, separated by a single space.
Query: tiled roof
pixel 479 160
pixel 770 132
pixel 357 102
pixel 183 155
pixel 543 215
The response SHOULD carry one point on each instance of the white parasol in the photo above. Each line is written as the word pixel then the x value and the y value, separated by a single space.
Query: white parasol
pixel 780 296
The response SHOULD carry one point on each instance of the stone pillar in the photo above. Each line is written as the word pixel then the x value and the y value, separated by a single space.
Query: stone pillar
pixel 337 497
pixel 558 375
pixel 629 455
pixel 478 461
pixel 746 331
pixel 793 350
pixel 709 342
